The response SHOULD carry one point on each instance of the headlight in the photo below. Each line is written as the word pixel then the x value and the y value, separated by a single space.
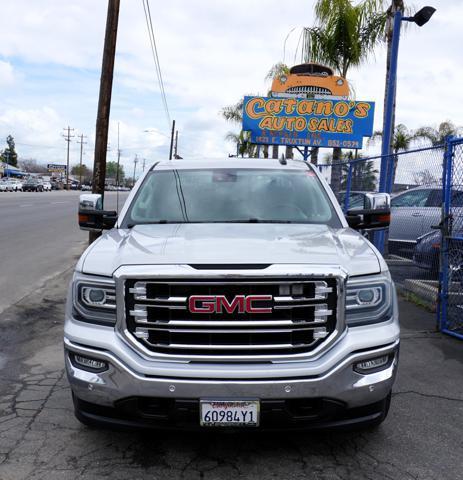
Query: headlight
pixel 369 299
pixel 94 299
pixel 340 82
pixel 283 78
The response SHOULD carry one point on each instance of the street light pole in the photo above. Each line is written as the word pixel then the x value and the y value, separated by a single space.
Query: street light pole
pixel 387 162
pixel 386 176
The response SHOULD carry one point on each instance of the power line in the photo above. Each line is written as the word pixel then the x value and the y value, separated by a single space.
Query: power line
pixel 154 50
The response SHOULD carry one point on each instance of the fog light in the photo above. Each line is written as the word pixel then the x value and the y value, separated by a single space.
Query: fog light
pixel 90 363
pixel 367 366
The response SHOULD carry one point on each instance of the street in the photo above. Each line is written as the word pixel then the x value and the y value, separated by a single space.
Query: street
pixel 41 439
pixel 39 237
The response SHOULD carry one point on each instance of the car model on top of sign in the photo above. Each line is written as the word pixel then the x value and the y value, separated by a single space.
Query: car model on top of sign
pixel 309 80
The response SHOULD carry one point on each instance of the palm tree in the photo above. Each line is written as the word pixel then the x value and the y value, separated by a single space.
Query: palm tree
pixel 437 136
pixel 364 174
pixel 401 141
pixel 277 70
pixel 344 37
pixel 395 6
pixel 234 113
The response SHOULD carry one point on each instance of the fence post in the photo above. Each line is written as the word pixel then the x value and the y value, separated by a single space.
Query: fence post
pixel 306 153
pixel 348 188
pixel 443 260
pixel 391 171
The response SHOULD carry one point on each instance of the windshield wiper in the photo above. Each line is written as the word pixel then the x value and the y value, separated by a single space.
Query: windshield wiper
pixel 155 222
pixel 251 220
pixel 241 220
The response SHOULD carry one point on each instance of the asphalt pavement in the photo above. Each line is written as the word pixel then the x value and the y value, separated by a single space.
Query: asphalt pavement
pixel 39 235
pixel 41 440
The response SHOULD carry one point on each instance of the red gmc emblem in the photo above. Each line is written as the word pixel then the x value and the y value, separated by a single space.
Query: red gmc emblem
pixel 220 304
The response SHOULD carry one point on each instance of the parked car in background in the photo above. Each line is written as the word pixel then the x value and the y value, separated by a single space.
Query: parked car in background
pixel 6 185
pixel 86 187
pixel 427 250
pixel 47 186
pixel 33 185
pixel 17 184
pixel 414 213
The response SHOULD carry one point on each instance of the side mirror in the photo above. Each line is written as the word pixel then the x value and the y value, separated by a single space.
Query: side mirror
pixel 92 217
pixel 376 213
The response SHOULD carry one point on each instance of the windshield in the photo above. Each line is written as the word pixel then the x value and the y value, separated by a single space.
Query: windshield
pixel 233 196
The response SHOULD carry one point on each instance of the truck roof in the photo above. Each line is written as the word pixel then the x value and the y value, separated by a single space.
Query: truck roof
pixel 232 162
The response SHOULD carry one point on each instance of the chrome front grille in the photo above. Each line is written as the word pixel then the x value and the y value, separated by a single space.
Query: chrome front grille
pixel 309 90
pixel 294 316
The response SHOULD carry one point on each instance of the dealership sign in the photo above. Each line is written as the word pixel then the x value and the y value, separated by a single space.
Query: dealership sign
pixel 313 123
pixel 53 167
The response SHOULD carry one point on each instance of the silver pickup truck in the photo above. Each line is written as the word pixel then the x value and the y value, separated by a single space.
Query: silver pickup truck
pixel 232 293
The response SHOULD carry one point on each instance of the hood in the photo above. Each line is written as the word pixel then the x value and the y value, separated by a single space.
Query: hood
pixel 231 244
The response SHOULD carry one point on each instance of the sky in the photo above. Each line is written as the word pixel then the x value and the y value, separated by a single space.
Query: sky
pixel 211 53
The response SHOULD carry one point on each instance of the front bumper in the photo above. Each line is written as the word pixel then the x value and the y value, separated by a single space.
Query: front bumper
pixel 338 396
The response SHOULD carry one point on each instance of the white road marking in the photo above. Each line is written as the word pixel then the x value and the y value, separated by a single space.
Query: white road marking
pixel 54 203
pixel 26 205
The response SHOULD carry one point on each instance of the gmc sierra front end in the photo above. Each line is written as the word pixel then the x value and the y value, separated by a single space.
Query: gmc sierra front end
pixel 231 294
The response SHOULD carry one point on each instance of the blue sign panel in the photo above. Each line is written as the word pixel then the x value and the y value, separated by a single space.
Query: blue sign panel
pixel 313 122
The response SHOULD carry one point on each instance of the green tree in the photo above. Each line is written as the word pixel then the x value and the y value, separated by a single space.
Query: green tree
pixel 401 141
pixel 9 155
pixel 82 172
pixel 234 114
pixel 345 35
pixel 111 171
pixel 364 174
pixel 438 135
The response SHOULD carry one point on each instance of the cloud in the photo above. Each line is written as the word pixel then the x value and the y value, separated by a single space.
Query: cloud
pixel 7 74
pixel 211 54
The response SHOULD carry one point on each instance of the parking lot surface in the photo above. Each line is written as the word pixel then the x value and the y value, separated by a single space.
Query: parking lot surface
pixel 41 439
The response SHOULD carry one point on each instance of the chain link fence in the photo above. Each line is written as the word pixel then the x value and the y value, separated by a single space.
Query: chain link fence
pixel 413 243
pixel 451 296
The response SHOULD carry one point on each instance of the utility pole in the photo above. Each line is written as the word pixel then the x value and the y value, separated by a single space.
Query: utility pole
pixel 118 156
pixel 172 139
pixel 176 144
pixel 82 143
pixel 68 137
pixel 144 160
pixel 104 102
pixel 135 161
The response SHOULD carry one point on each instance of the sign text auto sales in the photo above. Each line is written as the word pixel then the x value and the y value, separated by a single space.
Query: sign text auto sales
pixel 313 122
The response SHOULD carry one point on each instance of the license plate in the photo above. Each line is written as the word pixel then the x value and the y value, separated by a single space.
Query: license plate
pixel 229 413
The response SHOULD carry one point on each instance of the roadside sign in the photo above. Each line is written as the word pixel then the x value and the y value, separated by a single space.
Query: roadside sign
pixel 53 167
pixel 308 122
